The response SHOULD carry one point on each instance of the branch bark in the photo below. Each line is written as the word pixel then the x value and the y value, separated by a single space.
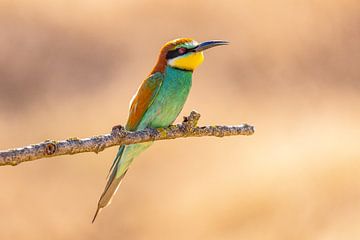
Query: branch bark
pixel 119 136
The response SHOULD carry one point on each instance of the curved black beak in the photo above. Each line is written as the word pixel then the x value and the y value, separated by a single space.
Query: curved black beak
pixel 209 44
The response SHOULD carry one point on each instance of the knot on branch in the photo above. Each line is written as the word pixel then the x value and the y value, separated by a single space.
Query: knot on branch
pixel 50 147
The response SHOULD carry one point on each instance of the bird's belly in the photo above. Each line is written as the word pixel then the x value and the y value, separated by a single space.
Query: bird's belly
pixel 165 113
pixel 165 109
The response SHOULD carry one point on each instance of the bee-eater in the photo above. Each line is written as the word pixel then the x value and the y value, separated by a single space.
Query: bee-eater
pixel 157 102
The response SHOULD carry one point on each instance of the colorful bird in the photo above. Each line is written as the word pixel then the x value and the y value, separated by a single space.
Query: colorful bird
pixel 157 102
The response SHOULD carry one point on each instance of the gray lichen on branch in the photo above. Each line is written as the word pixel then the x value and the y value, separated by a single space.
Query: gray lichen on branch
pixel 119 136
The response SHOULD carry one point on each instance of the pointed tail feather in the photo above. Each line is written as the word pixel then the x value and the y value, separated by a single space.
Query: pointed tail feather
pixel 117 158
pixel 112 184
pixel 98 210
pixel 108 194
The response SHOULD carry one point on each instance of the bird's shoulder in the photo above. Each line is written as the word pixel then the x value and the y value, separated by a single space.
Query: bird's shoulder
pixel 143 98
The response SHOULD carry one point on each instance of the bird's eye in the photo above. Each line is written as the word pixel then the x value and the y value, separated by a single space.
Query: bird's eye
pixel 182 50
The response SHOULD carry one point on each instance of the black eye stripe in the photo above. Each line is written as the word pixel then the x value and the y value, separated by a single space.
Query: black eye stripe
pixel 175 53
pixel 172 54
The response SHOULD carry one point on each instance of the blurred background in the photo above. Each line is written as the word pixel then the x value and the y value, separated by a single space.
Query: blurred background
pixel 70 68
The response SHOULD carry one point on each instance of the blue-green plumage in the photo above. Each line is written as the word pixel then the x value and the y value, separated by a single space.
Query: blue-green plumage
pixel 163 111
pixel 170 99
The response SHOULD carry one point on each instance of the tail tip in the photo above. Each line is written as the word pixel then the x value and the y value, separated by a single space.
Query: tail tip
pixel 96 213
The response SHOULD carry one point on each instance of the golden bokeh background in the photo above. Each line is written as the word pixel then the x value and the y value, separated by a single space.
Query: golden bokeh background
pixel 70 68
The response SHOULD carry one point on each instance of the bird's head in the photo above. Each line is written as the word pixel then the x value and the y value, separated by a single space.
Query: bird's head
pixel 184 53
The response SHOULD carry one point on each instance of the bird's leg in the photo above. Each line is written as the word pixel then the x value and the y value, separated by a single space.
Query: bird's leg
pixel 118 128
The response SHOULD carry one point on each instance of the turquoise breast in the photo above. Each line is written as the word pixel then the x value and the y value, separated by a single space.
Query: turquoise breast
pixel 170 99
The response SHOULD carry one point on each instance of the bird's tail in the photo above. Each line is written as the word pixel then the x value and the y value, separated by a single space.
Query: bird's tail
pixel 114 180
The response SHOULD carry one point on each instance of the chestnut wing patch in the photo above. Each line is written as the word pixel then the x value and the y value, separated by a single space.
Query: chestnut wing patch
pixel 143 99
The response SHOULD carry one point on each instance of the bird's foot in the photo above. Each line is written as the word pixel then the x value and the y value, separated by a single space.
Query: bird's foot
pixel 118 128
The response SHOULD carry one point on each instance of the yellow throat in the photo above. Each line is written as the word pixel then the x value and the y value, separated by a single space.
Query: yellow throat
pixel 188 62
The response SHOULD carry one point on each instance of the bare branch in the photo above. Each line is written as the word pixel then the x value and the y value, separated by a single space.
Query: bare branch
pixel 119 136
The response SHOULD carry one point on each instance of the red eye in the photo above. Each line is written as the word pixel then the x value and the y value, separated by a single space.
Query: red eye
pixel 182 50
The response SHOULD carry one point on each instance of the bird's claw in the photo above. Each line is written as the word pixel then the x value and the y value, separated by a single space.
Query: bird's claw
pixel 118 128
